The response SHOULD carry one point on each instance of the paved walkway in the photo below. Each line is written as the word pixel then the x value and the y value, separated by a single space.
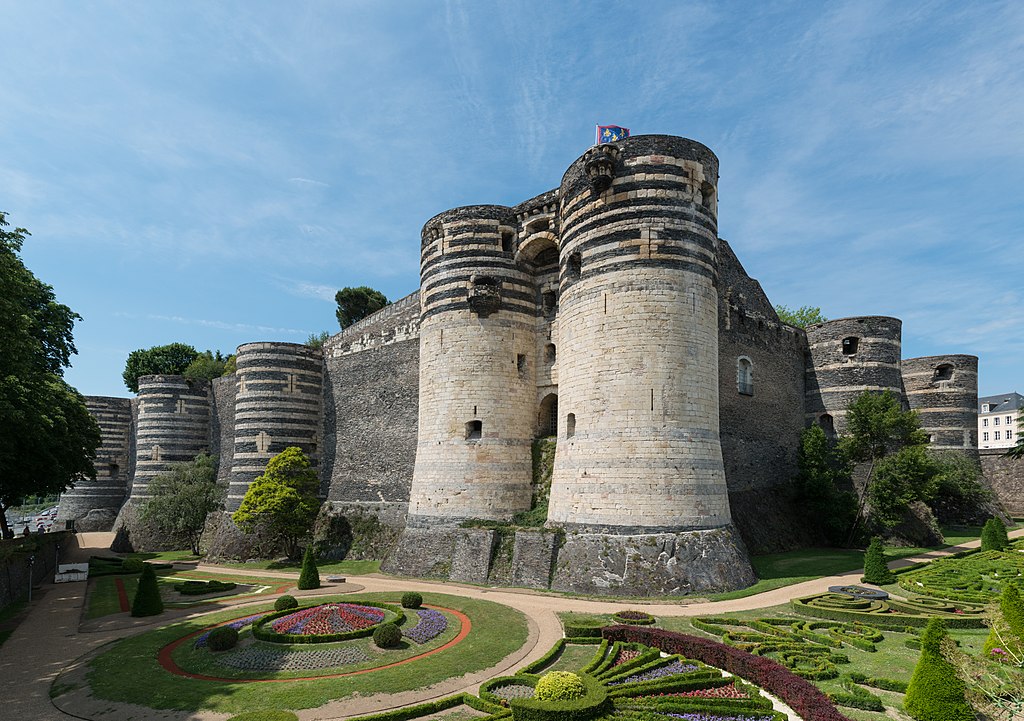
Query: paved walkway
pixel 50 641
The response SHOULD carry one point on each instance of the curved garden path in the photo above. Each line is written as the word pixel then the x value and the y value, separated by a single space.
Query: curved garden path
pixel 50 641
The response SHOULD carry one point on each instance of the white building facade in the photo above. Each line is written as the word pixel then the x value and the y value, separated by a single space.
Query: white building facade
pixel 998 418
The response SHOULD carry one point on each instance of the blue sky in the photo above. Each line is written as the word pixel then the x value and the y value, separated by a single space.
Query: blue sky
pixel 212 172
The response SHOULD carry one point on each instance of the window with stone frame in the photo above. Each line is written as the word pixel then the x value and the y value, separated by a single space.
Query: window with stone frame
pixel 745 376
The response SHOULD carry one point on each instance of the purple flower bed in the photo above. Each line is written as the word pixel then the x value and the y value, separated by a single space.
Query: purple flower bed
pixel 717 717
pixel 237 625
pixel 431 625
pixel 670 669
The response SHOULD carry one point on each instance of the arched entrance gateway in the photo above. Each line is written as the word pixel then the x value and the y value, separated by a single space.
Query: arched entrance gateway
pixel 547 416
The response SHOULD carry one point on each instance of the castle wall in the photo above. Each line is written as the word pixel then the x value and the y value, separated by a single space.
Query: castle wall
pixel 93 504
pixel 944 391
pixel 371 382
pixel 638 356
pixel 761 422
pixel 477 385
pixel 277 405
pixel 1006 478
pixel 222 426
pixel 850 356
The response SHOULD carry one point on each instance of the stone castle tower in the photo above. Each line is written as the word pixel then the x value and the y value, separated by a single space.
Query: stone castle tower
pixel 606 314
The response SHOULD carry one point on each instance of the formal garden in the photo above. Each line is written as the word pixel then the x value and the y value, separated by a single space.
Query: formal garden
pixel 853 652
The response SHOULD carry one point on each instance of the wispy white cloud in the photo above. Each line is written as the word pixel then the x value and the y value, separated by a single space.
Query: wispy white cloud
pixel 216 324
pixel 307 181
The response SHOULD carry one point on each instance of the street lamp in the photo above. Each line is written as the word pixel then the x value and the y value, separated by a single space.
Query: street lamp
pixel 31 563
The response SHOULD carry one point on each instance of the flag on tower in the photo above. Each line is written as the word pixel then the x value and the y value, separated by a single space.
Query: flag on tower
pixel 610 133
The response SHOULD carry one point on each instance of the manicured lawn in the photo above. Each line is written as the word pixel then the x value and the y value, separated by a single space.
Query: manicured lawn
pixel 129 671
pixel 573 657
pixel 103 598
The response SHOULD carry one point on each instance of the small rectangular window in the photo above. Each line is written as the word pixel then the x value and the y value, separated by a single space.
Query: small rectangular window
pixel 984 436
pixel 997 436
pixel 1009 420
pixel 984 422
pixel 995 421
pixel 1009 435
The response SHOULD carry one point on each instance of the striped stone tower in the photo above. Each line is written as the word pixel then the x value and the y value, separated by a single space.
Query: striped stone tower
pixel 277 404
pixel 638 326
pixel 943 389
pixel 173 426
pixel 477 398
pixel 93 505
pixel 847 357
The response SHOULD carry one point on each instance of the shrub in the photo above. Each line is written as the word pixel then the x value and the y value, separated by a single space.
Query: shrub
pixel 197 588
pixel 560 686
pixel 310 576
pixel 875 569
pixel 222 638
pixel 133 565
pixel 1003 536
pixel 285 603
pixel 1007 631
pixel 147 600
pixel 935 693
pixel 411 599
pixel 387 635
pixel 639 618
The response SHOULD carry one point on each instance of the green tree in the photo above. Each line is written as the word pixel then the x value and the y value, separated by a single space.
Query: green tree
pixel 900 479
pixel 876 570
pixel 171 359
pixel 958 495
pixel 935 692
pixel 209 365
pixel 802 317
pixel 283 501
pixel 309 577
pixel 823 472
pixel 182 497
pixel 317 340
pixel 48 438
pixel 877 426
pixel 147 601
pixel 354 304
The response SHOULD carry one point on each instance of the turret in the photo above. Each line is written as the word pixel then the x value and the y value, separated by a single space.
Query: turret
pixel 943 389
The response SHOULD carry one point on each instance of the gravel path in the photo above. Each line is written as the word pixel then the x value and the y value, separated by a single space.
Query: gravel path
pixel 50 640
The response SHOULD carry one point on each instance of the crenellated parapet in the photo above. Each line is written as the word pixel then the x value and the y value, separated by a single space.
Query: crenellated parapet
pixel 943 389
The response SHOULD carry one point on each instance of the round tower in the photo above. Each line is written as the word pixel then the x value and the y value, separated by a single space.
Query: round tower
pixel 279 389
pixel 477 392
pixel 638 446
pixel 847 357
pixel 93 504
pixel 172 427
pixel 943 389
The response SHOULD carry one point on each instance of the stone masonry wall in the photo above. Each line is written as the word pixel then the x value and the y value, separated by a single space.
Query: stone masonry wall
pixel 944 392
pixel 1006 477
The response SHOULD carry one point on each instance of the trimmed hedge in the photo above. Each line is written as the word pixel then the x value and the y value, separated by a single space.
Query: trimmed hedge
pixel 801 695
pixel 635 618
pixel 881 620
pixel 261 629
pixel 387 635
pixel 285 603
pixel 599 656
pixel 222 638
pixel 935 692
pixel 886 684
pixel 309 577
pixel 147 600
pixel 412 712
pixel 583 629
pixel 412 599
pixel 545 660
pixel 520 679
pixel 594 703
pixel 198 588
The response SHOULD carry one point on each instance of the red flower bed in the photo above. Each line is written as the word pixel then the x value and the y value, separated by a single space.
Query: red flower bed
pixel 810 703
pixel 328 619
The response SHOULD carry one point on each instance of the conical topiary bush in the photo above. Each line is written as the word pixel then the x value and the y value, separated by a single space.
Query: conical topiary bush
pixel 935 692
pixel 994 536
pixel 876 570
pixel 1001 534
pixel 310 576
pixel 147 601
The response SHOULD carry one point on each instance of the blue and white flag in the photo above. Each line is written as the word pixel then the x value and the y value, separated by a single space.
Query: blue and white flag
pixel 610 133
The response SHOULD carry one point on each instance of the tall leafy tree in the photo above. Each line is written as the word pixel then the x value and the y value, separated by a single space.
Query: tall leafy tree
pixel 48 439
pixel 801 317
pixel 354 304
pixel 209 365
pixel 283 502
pixel 182 497
pixel 170 359
pixel 824 473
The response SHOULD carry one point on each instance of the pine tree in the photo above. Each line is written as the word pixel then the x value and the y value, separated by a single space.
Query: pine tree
pixel 876 570
pixel 147 601
pixel 935 692
pixel 310 576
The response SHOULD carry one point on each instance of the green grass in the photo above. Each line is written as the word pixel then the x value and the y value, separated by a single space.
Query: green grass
pixel 103 598
pixel 129 672
pixel 573 658
pixel 166 556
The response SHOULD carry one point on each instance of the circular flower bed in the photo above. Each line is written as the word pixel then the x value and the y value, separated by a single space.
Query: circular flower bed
pixel 872 594
pixel 636 618
pixel 326 622
pixel 255 658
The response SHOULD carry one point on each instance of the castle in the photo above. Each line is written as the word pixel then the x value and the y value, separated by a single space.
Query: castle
pixel 606 312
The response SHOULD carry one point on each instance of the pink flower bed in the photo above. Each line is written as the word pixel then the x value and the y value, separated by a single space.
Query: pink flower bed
pixel 729 691
pixel 328 618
